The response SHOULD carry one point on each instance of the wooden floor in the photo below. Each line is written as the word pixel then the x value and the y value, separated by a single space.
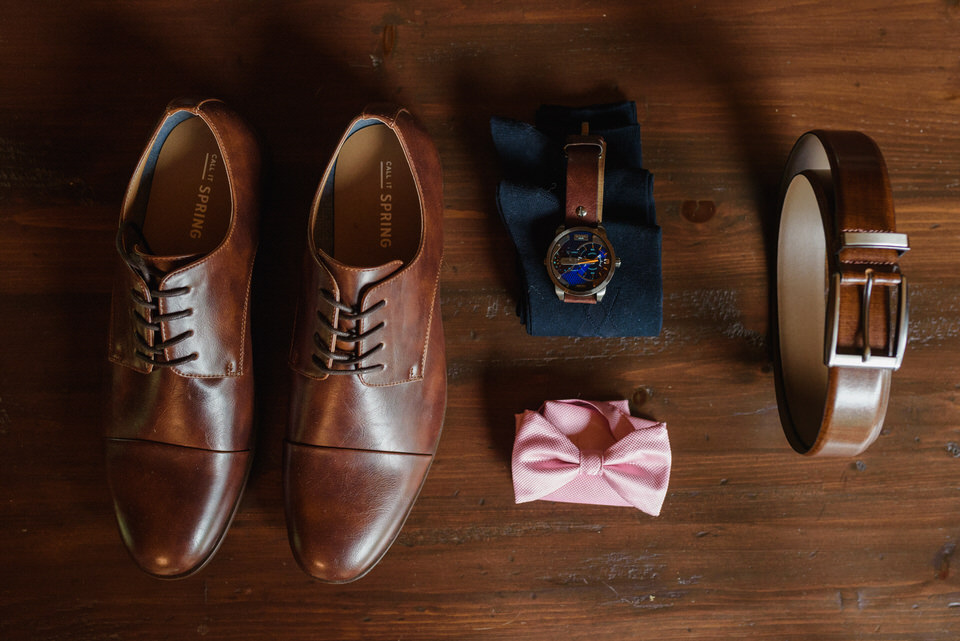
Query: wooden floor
pixel 754 542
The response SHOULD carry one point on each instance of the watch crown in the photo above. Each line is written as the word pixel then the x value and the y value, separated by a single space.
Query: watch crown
pixel 617 264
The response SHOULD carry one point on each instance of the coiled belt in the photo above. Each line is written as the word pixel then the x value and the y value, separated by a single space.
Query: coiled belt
pixel 841 299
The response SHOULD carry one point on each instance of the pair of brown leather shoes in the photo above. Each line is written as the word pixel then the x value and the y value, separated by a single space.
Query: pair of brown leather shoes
pixel 369 373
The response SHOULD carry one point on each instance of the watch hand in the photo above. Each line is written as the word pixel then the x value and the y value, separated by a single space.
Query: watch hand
pixel 574 261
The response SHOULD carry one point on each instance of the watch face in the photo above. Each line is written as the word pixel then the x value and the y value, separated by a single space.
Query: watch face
pixel 581 261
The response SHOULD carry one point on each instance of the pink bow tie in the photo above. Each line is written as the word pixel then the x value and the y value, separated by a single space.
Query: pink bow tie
pixel 591 452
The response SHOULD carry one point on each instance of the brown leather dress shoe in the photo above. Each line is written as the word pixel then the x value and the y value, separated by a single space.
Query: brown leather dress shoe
pixel 369 382
pixel 179 436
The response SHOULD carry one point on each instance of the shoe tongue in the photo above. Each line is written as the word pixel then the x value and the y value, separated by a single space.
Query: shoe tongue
pixel 162 265
pixel 353 280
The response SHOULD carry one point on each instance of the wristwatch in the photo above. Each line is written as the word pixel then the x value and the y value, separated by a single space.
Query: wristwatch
pixel 580 260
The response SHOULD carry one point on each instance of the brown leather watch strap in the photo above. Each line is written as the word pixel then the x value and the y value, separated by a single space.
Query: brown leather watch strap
pixel 841 299
pixel 586 157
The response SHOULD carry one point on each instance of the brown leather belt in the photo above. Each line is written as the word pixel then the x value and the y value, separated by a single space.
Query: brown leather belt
pixel 841 299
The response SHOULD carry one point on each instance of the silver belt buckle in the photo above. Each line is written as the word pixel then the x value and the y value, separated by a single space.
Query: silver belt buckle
pixel 866 357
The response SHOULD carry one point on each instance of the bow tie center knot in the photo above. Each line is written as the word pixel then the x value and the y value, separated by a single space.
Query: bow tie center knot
pixel 591 462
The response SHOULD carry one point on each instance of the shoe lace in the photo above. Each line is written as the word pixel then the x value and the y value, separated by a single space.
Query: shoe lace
pixel 151 320
pixel 349 361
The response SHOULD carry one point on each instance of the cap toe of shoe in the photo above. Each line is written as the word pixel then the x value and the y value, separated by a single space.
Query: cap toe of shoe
pixel 346 507
pixel 173 504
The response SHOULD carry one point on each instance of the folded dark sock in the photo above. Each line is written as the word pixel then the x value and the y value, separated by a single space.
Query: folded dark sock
pixel 530 201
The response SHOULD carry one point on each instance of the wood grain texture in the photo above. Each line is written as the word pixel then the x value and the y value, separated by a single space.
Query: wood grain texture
pixel 754 542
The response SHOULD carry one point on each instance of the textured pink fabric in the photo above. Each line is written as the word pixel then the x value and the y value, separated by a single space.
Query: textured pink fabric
pixel 591 452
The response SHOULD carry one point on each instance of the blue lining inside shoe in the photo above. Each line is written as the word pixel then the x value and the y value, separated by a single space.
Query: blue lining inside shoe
pixel 324 221
pixel 139 205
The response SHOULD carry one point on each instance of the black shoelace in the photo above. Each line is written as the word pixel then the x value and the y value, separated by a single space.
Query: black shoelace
pixel 154 323
pixel 348 360
pixel 153 320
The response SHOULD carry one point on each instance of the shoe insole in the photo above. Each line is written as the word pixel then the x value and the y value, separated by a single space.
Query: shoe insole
pixel 376 208
pixel 189 208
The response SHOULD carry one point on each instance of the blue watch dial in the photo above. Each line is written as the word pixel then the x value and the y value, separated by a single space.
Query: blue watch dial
pixel 581 261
